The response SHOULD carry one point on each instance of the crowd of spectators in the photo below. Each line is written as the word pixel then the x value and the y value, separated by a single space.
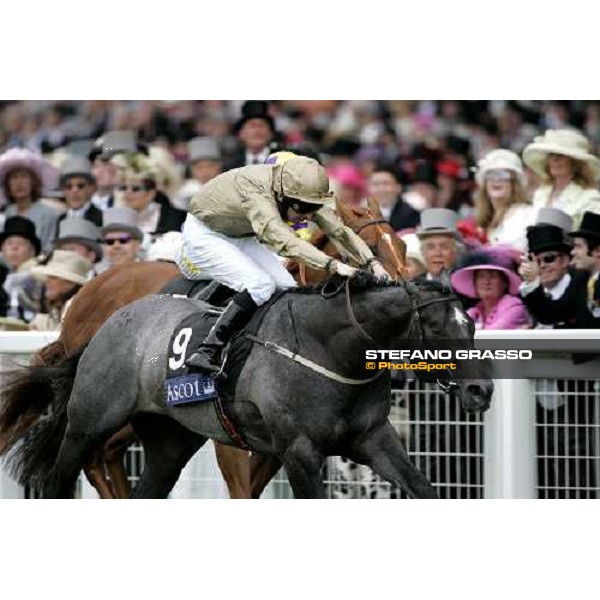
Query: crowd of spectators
pixel 503 194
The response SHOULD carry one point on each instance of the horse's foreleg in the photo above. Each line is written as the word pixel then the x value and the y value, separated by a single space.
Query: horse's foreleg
pixel 302 462
pixel 235 468
pixel 383 451
pixel 262 470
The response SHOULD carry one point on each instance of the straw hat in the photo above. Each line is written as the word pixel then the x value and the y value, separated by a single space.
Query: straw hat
pixel 565 142
pixel 65 265
pixel 500 159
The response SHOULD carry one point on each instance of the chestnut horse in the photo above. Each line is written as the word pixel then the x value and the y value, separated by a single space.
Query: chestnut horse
pixel 105 294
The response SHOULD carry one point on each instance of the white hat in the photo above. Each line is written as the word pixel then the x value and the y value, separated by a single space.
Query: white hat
pixel 413 247
pixel 500 159
pixel 65 265
pixel 565 142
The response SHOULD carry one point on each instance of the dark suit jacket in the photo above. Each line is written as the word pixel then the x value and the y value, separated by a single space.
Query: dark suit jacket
pixel 171 219
pixel 92 214
pixel 404 216
pixel 239 160
pixel 570 311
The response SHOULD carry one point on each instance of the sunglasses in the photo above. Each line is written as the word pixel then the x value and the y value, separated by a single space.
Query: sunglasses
pixel 498 175
pixel 75 186
pixel 548 259
pixel 133 188
pixel 124 239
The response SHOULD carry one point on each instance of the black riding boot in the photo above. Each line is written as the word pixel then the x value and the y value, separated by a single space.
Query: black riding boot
pixel 236 314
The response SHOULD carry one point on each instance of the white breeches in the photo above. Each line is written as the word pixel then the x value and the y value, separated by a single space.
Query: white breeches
pixel 240 263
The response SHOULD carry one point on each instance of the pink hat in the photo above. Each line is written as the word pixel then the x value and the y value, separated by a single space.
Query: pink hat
pixel 21 158
pixel 463 279
pixel 347 175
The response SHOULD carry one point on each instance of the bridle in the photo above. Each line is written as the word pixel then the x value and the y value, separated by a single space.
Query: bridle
pixel 386 237
pixel 446 385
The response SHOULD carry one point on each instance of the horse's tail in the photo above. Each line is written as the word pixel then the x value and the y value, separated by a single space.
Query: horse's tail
pixel 33 417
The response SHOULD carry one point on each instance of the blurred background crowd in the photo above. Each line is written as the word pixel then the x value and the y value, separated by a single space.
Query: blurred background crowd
pixel 502 194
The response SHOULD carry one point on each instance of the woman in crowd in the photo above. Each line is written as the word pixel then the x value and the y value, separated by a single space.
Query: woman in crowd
pixel 501 205
pixel 63 276
pixel 568 170
pixel 23 177
pixel 489 277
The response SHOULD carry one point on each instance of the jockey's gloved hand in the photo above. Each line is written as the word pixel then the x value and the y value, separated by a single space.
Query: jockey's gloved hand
pixel 342 269
pixel 378 270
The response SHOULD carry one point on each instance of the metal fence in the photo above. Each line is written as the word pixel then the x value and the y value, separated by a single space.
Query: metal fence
pixel 541 438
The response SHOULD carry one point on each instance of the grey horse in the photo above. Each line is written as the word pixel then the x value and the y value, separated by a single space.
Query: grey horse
pixel 281 408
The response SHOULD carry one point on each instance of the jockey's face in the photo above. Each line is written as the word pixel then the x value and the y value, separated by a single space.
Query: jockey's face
pixel 296 217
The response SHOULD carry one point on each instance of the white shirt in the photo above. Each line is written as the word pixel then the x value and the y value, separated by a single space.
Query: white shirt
pixel 259 158
pixel 101 202
pixel 78 213
pixel 555 292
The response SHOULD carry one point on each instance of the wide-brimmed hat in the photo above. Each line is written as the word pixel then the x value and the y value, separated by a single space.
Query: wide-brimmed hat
pixel 76 166
pixel 22 227
pixel 438 221
pixel 500 159
pixel 203 148
pixel 463 279
pixel 65 265
pixel 254 109
pixel 566 142
pixel 21 158
pixel 546 237
pixel 589 228
pixel 304 179
pixel 554 216
pixel 121 219
pixel 82 232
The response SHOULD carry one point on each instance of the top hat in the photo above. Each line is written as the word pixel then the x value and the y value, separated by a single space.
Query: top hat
pixel 438 221
pixel 255 109
pixel 554 216
pixel 544 238
pixel 22 227
pixel 589 228
pixel 76 166
pixel 121 219
pixel 203 148
pixel 80 231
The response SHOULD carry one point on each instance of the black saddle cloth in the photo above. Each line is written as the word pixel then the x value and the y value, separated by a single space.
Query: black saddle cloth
pixel 210 291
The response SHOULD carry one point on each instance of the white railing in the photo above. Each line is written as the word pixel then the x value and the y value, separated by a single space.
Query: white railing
pixel 509 446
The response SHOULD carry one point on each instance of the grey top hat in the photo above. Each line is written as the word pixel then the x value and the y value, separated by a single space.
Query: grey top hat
pixel 554 216
pixel 80 147
pixel 436 221
pixel 76 165
pixel 118 142
pixel 81 231
pixel 121 219
pixel 203 148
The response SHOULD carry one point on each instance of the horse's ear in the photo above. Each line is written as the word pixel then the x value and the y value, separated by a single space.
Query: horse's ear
pixel 444 279
pixel 374 208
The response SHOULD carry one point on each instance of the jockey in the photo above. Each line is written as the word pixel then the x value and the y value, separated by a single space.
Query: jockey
pixel 238 223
